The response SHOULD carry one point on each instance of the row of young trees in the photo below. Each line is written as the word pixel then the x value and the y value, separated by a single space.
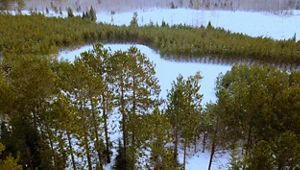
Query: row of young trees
pixel 181 42
pixel 89 15
pixel 57 114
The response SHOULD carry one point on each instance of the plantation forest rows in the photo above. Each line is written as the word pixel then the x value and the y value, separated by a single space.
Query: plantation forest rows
pixel 56 114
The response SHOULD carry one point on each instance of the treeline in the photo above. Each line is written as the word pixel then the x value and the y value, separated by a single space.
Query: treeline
pixel 58 115
pixel 41 35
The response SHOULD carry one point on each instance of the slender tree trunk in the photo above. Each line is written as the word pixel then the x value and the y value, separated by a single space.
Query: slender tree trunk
pixel 87 148
pixel 175 144
pixel 134 115
pixel 212 152
pixel 51 145
pixel 86 145
pixel 96 134
pixel 105 117
pixel 71 150
pixel 248 143
pixel 204 142
pixel 195 144
pixel 124 124
pixel 213 145
pixel 184 154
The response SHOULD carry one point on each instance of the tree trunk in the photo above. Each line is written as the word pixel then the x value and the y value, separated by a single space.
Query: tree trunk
pixel 248 143
pixel 195 144
pixel 86 145
pixel 211 154
pixel 184 154
pixel 204 142
pixel 105 117
pixel 175 144
pixel 96 134
pixel 51 144
pixel 124 124
pixel 87 151
pixel 213 145
pixel 71 150
pixel 134 116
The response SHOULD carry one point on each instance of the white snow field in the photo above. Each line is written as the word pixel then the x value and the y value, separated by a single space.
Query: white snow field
pixel 251 23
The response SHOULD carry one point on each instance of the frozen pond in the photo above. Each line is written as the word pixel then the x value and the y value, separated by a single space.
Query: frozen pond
pixel 251 23
pixel 167 71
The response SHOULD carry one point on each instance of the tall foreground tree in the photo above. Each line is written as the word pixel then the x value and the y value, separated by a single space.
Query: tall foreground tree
pixel 137 92
pixel 30 85
pixel 257 105
pixel 184 111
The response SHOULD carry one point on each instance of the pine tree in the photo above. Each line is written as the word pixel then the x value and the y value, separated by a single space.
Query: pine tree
pixel 92 14
pixel 70 12
pixel 184 111
pixel 137 90
pixel 134 20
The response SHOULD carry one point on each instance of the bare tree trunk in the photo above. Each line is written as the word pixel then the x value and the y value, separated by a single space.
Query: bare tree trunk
pixel 184 154
pixel 213 145
pixel 204 142
pixel 195 144
pixel 71 150
pixel 88 156
pixel 175 144
pixel 212 152
pixel 124 124
pixel 51 144
pixel 134 114
pixel 96 134
pixel 105 117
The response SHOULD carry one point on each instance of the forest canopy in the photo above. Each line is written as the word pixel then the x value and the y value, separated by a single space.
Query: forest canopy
pixel 179 41
pixel 56 114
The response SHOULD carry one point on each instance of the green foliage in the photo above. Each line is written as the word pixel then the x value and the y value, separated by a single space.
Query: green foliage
pixel 184 110
pixel 9 162
pixel 260 157
pixel 286 151
pixel 260 105
pixel 179 41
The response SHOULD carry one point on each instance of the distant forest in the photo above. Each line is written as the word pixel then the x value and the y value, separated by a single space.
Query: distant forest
pixel 121 5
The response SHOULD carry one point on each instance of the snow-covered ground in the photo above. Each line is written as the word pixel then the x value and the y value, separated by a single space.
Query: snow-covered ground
pixel 250 23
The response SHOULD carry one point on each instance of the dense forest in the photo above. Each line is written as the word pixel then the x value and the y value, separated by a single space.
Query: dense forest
pixel 181 42
pixel 56 114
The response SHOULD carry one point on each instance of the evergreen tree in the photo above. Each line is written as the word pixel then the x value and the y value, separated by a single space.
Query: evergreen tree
pixel 70 12
pixel 184 110
pixel 134 20
pixel 92 14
